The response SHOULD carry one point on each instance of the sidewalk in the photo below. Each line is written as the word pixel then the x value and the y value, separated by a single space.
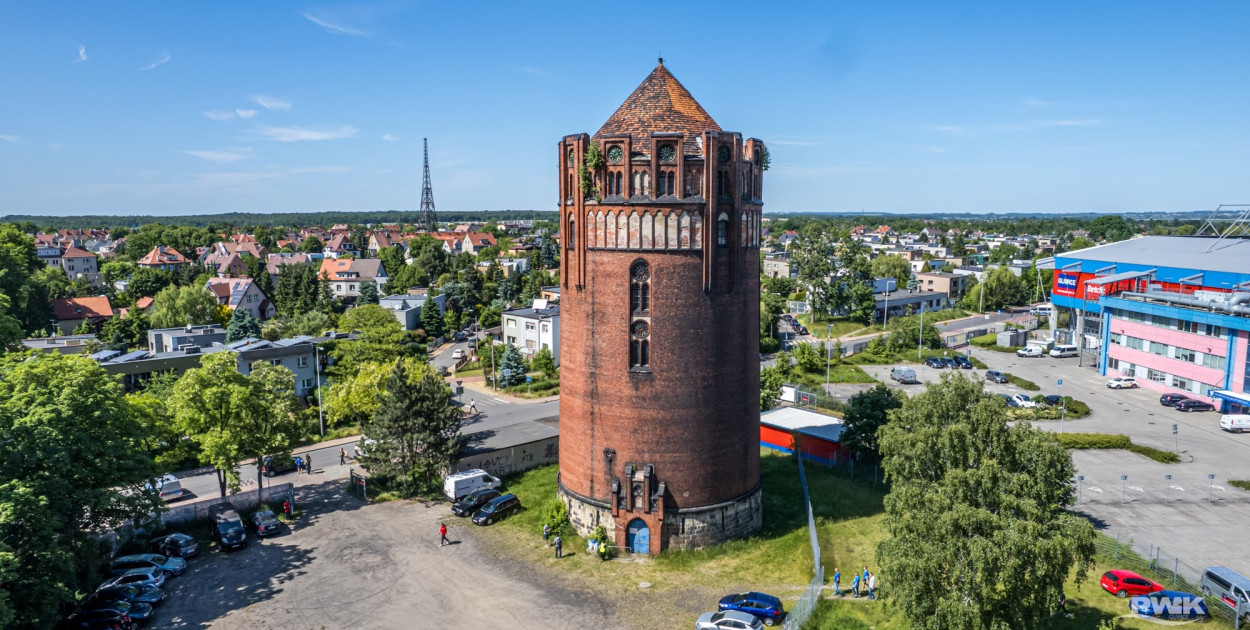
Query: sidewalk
pixel 481 387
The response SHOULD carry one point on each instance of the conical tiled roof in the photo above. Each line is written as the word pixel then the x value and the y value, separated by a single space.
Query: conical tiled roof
pixel 659 104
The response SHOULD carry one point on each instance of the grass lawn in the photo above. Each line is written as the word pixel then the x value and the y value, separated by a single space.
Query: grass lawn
pixel 1240 483
pixel 820 329
pixel 838 373
pixel 909 356
pixel 989 341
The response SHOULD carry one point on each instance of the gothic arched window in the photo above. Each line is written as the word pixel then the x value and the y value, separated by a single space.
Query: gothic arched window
pixel 640 316
pixel 722 230
pixel 572 239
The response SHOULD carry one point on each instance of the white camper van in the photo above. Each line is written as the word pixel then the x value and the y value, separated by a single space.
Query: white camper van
pixel 459 484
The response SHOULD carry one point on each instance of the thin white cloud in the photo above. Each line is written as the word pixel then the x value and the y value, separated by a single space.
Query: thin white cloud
pixel 227 180
pixel 82 54
pixel 298 134
pixel 950 129
pixel 389 138
pixel 1049 124
pixel 534 71
pixel 332 170
pixel 271 103
pixel 218 115
pixel 159 61
pixel 244 113
pixel 11 139
pixel 338 29
pixel 222 157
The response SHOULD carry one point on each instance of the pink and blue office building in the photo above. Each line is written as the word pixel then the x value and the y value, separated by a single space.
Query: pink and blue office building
pixel 1172 311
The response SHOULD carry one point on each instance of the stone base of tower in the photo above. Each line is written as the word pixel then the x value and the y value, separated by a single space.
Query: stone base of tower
pixel 687 528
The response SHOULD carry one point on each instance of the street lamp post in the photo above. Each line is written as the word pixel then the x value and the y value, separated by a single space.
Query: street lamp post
pixel 1064 410
pixel 887 307
pixel 828 356
pixel 320 415
pixel 920 344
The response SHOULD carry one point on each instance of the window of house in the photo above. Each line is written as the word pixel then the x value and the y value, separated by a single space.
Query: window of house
pixel 640 320
pixel 1180 383
pixel 511 340
pixel 1113 363
pixel 338 287
pixel 546 328
pixel 722 230
pixel 572 232
pixel 1117 339
pixel 1185 354
pixel 529 326
pixel 1214 361
pixel 301 362
pixel 306 383
pixel 1156 375
pixel 1160 349
pixel 1212 330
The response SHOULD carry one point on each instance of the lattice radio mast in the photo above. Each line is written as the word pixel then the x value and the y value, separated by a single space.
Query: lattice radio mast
pixel 429 220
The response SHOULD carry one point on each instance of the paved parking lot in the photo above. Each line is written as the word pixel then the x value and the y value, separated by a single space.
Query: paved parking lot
pixel 1190 516
pixel 350 565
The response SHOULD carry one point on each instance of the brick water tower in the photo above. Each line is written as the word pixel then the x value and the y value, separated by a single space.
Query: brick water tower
pixel 660 375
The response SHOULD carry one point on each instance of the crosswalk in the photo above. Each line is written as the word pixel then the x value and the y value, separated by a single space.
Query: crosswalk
pixel 486 401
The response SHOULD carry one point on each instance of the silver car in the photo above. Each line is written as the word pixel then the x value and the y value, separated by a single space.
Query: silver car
pixel 728 620
pixel 171 566
pixel 147 576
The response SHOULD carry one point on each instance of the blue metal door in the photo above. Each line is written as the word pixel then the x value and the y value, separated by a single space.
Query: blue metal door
pixel 639 537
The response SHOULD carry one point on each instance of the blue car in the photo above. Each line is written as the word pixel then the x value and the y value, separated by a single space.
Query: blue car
pixel 1169 605
pixel 762 606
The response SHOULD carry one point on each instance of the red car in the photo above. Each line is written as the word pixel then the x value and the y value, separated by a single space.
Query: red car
pixel 1126 583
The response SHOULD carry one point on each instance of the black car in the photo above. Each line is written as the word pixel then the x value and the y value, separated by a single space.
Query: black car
pixel 994 376
pixel 97 609
pixel 1052 400
pixel 277 464
pixel 150 595
pixel 1190 404
pixel 963 362
pixel 100 620
pixel 1169 400
pixel 266 523
pixel 227 527
pixel 950 363
pixel 177 545
pixel 934 362
pixel 497 509
pixel 471 502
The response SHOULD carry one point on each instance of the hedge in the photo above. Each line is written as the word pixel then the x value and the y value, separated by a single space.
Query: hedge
pixel 1109 440
pixel 1022 383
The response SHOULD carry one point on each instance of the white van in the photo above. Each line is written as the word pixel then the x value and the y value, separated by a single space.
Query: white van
pixel 1229 587
pixel 903 375
pixel 1044 310
pixel 1061 351
pixel 170 488
pixel 1235 423
pixel 459 484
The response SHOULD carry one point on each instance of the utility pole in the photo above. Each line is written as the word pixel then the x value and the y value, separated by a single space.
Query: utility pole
pixel 320 416
pixel 920 344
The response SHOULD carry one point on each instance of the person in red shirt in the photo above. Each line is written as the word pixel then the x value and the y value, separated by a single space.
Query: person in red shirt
pixel 442 531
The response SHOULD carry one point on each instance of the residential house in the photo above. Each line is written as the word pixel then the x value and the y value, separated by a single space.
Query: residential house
pixel 551 294
pixel 953 285
pixel 62 344
pixel 69 313
pixel 79 263
pixel 174 339
pixel 451 241
pixel 346 275
pixel 787 237
pixel 468 227
pixel 777 266
pixel 341 245
pixel 163 258
pixel 407 308
pixel 274 263
pixel 476 241
pixel 531 329
pixel 225 260
pixel 381 240
pixel 241 293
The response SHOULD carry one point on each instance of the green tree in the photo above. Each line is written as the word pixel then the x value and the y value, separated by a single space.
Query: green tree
pixel 10 329
pixel 258 271
pixel 904 334
pixel 178 306
pixel 1002 288
pixel 431 318
pixel 544 362
pixel 490 317
pixel 892 266
pixel 1111 228
pixel 352 399
pixel 147 282
pixel 71 466
pixel 511 367
pixel 771 380
pixel 1080 242
pixel 867 412
pixel 813 254
pixel 415 428
pixel 1004 254
pixel 242 325
pixel 233 417
pixel 58 284
pixel 379 338
pixel 979 533
pixel 28 301
pixel 368 293
pixel 311 245
pixel 313 323
pixel 807 358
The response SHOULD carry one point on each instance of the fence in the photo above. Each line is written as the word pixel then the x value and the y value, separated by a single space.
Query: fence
pixel 802 610
pixel 243 501
pixel 1171 571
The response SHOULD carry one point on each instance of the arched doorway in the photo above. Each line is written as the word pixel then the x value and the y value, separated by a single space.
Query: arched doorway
pixel 638 537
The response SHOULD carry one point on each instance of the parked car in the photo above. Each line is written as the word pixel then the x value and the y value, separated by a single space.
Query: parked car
pixel 1122 382
pixel 266 523
pixel 177 544
pixel 169 488
pixel 100 620
pixel 950 363
pixel 227 527
pixel 458 353
pixel 727 620
pixel 934 362
pixel 963 362
pixel 1125 583
pixel 903 375
pixel 1231 588
pixel 994 376
pixel 471 502
pixel 1235 423
pixel 171 566
pixel 497 509
pixel 762 606
pixel 1193 405
pixel 1030 351
pixel 147 576
pixel 1011 401
pixel 1023 400
pixel 100 608
pixel 802 330
pixel 458 485
pixel 1060 352
pixel 277 464
pixel 150 595
pixel 1168 400
pixel 1169 605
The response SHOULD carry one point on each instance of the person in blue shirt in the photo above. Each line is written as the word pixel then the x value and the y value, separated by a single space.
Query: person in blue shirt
pixel 837 576
pixel 855 585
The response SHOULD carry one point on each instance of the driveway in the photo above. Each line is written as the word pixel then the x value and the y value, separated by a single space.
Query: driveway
pixel 346 564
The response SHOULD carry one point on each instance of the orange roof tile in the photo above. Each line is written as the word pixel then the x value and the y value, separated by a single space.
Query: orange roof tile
pixel 81 308
pixel 659 104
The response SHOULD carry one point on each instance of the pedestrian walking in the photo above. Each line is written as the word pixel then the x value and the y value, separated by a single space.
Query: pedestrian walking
pixel 837 576
pixel 472 405
pixel 546 535
pixel 442 532
pixel 872 586
pixel 855 585
pixel 299 465
pixel 342 457
pixel 1063 604
pixel 308 463
pixel 559 543
pixel 865 580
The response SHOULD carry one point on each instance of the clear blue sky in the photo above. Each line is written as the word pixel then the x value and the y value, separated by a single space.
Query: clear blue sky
pixel 176 108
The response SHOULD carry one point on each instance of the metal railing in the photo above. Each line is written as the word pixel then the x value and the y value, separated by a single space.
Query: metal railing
pixel 802 609
pixel 1171 571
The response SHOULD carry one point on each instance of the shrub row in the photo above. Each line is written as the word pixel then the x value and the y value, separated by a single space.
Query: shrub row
pixel 1109 440
pixel 1022 383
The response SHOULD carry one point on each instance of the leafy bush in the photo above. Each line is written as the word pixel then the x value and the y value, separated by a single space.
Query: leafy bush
pixel 769 345
pixel 607 550
pixel 556 514
pixel 1024 384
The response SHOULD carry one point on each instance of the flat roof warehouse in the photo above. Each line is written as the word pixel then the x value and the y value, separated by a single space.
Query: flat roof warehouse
pixel 1227 256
